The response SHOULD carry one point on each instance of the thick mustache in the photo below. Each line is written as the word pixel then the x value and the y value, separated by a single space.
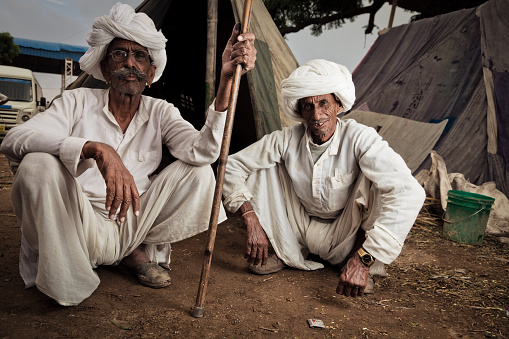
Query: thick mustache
pixel 122 73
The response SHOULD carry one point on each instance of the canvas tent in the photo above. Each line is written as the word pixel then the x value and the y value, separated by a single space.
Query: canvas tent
pixel 452 68
pixel 184 23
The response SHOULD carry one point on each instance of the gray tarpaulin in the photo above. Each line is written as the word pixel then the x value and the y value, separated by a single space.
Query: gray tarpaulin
pixel 453 68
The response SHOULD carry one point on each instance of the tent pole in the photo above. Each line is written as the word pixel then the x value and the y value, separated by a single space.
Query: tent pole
pixel 210 57
pixel 393 11
pixel 223 157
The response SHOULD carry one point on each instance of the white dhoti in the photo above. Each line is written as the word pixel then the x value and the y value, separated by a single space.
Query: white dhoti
pixel 64 238
pixel 293 233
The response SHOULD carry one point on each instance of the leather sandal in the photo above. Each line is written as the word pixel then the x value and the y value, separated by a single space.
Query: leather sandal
pixel 274 264
pixel 149 274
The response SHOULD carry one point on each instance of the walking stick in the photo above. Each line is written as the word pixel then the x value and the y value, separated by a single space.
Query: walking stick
pixel 223 157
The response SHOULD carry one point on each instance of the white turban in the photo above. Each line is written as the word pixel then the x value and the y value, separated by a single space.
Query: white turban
pixel 123 23
pixel 317 77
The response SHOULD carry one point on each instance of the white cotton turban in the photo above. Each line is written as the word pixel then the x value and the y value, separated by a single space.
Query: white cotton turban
pixel 123 22
pixel 317 77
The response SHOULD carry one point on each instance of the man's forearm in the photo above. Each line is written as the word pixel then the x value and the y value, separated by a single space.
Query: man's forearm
pixel 245 207
pixel 249 215
pixel 89 150
pixel 223 93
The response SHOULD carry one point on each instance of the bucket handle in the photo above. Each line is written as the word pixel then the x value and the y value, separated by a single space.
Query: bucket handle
pixel 453 222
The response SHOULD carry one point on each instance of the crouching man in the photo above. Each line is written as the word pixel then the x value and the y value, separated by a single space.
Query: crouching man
pixel 84 195
pixel 326 186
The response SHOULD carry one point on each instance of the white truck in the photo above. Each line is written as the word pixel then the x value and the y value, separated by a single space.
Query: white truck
pixel 25 97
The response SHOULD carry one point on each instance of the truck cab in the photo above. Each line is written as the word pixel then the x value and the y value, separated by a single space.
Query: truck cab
pixel 25 97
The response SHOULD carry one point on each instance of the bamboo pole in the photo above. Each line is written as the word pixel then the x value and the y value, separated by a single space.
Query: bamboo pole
pixel 210 57
pixel 393 11
pixel 223 157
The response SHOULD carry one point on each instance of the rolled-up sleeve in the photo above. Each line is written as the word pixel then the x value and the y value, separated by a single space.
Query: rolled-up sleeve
pixel 70 152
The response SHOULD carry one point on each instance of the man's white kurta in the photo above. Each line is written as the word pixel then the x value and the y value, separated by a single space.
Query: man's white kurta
pixel 82 114
pixel 323 188
pixel 60 200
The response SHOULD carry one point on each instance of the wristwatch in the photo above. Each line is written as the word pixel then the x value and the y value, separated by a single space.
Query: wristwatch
pixel 366 258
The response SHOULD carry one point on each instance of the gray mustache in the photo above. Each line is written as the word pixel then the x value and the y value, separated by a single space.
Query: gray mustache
pixel 122 73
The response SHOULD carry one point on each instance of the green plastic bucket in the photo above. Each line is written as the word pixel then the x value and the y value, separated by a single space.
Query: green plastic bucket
pixel 466 216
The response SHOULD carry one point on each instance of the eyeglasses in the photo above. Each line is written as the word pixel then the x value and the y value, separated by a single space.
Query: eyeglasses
pixel 120 55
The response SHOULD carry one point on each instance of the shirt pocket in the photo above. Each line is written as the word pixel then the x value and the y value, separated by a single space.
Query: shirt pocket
pixel 338 189
pixel 142 159
pixel 146 156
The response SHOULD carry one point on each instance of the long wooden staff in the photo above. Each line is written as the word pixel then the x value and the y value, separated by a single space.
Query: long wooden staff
pixel 223 157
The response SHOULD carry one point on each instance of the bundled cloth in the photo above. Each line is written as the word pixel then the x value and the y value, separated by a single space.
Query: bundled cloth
pixel 124 23
pixel 317 77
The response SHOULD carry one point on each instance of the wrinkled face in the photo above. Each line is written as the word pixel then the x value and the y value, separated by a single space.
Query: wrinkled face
pixel 128 76
pixel 320 113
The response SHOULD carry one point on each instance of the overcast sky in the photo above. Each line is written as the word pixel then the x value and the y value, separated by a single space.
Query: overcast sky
pixel 69 21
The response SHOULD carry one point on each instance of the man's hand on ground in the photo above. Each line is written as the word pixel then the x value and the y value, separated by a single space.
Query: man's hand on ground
pixel 353 278
pixel 257 245
pixel 121 190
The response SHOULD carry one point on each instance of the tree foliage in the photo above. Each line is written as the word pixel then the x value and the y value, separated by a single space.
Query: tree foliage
pixel 8 49
pixel 293 15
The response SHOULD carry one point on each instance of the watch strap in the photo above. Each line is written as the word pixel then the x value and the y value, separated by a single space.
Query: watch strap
pixel 366 258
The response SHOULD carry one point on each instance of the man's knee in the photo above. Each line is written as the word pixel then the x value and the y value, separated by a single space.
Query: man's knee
pixel 191 174
pixel 203 172
pixel 39 168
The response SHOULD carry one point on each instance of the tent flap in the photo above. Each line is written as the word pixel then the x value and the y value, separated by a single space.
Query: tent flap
pixel 264 100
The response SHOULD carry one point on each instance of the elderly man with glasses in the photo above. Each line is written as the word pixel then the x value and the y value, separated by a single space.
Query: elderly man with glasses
pixel 85 194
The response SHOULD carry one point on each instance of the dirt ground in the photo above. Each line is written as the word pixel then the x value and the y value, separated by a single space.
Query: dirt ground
pixel 437 288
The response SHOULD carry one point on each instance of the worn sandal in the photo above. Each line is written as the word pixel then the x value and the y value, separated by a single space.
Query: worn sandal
pixel 149 274
pixel 274 264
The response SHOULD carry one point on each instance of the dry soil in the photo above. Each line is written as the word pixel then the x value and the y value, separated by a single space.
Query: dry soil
pixel 437 288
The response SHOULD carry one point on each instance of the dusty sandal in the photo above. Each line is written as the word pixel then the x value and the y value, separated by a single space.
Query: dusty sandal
pixel 274 264
pixel 149 274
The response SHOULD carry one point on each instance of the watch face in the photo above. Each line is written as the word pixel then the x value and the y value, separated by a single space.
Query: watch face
pixel 366 258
